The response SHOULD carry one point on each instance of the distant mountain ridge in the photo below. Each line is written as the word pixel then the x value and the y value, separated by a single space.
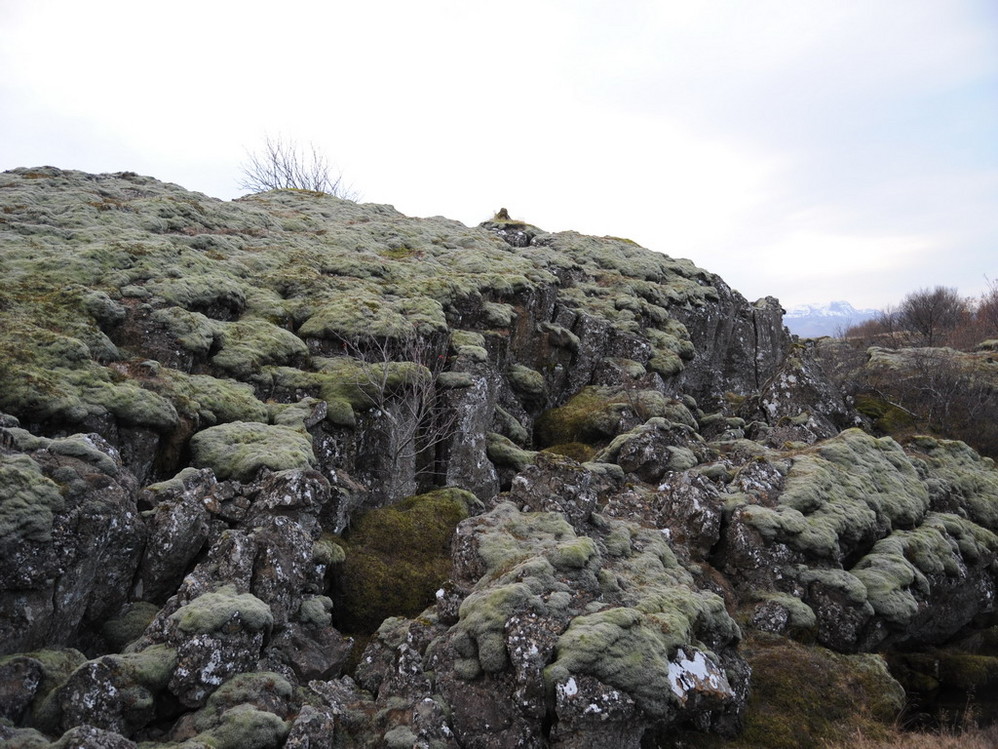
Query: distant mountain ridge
pixel 816 320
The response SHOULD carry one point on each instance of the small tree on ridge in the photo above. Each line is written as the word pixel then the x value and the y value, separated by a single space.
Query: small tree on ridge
pixel 285 164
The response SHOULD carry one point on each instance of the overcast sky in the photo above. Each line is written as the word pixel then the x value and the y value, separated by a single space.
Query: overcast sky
pixel 812 150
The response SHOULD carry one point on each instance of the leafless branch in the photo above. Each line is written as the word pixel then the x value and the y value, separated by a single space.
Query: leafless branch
pixel 283 164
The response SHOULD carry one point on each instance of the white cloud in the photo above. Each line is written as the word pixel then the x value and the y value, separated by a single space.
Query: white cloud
pixel 733 133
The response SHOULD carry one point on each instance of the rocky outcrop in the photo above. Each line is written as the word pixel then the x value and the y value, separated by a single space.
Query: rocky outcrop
pixel 294 471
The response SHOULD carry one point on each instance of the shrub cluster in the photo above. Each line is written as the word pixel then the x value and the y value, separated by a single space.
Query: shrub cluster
pixel 933 317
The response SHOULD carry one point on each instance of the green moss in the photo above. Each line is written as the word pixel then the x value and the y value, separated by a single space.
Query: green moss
pixel 57 665
pixel 316 611
pixel 129 625
pixel 625 649
pixel 503 452
pixel 151 667
pixel 248 345
pixel 454 380
pixel 842 494
pixel 246 727
pixel 510 428
pixel 573 554
pixel 807 696
pixel 253 688
pixel 578 451
pixel 666 364
pixel 803 621
pixel 581 419
pixel 328 550
pixel 214 400
pixel 896 571
pixel 526 381
pixel 888 417
pixel 397 557
pixel 213 611
pixel 960 475
pixel 202 291
pixel 483 614
pixel 498 314
pixel 595 415
pixel 30 501
pixel 238 450
pixel 379 317
pixel 193 331
pixel 25 738
pixel 294 415
pixel 950 668
pixel 132 404
pixel 842 581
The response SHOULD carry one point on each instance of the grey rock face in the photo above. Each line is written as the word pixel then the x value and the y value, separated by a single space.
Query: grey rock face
pixel 72 541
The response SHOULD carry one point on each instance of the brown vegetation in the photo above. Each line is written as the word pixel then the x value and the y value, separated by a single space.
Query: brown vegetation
pixel 969 738
pixel 934 369
pixel 936 317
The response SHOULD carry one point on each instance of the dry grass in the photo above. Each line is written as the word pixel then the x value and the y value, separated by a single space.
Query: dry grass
pixel 970 738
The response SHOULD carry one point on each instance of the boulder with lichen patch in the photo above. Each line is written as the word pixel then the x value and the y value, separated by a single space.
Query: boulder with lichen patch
pixel 215 636
pixel 71 537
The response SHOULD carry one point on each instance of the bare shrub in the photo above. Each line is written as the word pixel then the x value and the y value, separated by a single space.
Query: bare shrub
pixel 932 315
pixel 401 381
pixel 986 313
pixel 884 329
pixel 942 391
pixel 284 164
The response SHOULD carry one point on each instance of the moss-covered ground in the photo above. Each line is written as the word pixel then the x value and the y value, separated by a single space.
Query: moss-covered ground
pixel 252 289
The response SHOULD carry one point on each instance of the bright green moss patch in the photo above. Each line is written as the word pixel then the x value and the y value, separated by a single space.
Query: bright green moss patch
pixel 961 478
pixel 397 557
pixel 623 648
pixel 897 571
pixel 238 450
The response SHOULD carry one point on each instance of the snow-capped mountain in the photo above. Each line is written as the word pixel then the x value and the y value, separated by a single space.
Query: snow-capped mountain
pixel 815 320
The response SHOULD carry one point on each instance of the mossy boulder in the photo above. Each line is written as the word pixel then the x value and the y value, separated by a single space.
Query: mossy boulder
pixel 27 512
pixel 844 494
pixel 239 449
pixel 805 696
pixel 247 345
pixel 218 610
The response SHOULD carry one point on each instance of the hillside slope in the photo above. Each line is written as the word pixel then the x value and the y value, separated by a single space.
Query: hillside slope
pixel 295 471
